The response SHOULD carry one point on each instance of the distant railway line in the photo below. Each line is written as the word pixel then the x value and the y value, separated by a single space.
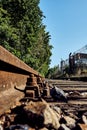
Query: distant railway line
pixel 78 90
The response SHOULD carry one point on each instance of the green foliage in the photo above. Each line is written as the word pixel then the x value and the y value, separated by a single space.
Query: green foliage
pixel 23 34
pixel 8 34
pixel 53 72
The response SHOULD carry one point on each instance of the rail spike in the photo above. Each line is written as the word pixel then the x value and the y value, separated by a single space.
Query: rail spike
pixel 31 89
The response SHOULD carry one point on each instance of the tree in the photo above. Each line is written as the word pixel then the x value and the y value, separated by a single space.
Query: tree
pixel 23 33
pixel 54 72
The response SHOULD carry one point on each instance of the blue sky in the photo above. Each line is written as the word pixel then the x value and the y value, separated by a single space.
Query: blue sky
pixel 66 21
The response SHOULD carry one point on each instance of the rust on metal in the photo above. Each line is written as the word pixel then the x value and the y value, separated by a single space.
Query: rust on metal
pixel 83 126
pixel 32 85
pixel 9 58
pixel 13 72
pixel 31 89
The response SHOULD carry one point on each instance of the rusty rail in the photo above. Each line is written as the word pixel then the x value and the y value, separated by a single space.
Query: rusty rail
pixel 11 60
pixel 13 72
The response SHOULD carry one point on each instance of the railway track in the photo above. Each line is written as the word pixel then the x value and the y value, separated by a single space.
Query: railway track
pixel 77 90
pixel 25 78
pixel 77 101
pixel 16 72
pixel 76 105
pixel 70 85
